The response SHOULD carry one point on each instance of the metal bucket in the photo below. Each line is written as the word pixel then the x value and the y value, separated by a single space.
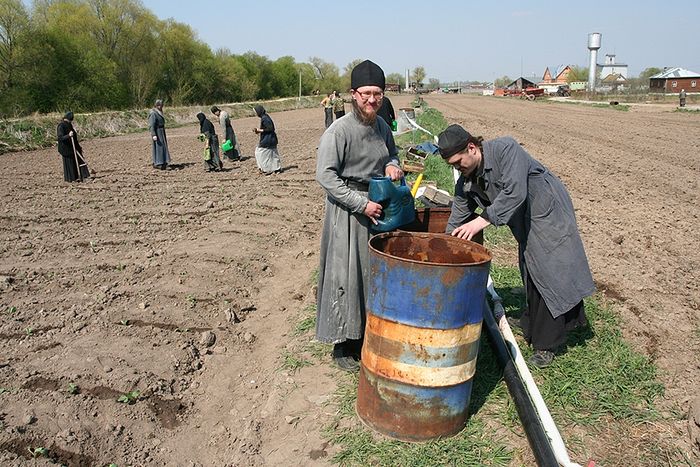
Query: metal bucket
pixel 424 310
pixel 434 220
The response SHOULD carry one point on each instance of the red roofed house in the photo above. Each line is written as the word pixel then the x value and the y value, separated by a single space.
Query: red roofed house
pixel 554 77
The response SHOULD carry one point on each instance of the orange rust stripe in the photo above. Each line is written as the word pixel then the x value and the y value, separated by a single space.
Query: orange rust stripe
pixel 417 375
pixel 422 336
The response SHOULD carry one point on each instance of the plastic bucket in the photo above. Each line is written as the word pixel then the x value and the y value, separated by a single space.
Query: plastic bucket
pixel 424 311
pixel 227 146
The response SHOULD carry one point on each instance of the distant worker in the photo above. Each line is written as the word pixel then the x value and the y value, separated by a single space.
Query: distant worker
pixel 156 125
pixel 227 134
pixel 212 162
pixel 681 97
pixel 386 111
pixel 266 155
pixel 328 109
pixel 514 189
pixel 338 105
pixel 69 148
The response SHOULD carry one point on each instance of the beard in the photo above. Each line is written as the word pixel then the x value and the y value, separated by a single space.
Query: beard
pixel 362 115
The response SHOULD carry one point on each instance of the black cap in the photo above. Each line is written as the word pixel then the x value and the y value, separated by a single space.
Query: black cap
pixel 453 140
pixel 367 73
pixel 68 116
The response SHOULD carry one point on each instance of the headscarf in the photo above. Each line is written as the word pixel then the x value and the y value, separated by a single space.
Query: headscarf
pixel 215 109
pixel 367 73
pixel 159 102
pixel 202 118
pixel 259 110
pixel 68 116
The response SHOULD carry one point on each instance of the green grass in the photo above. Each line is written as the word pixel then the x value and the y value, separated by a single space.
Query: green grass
pixel 292 361
pixel 685 110
pixel 436 169
pixel 499 236
pixel 620 107
pixel 307 320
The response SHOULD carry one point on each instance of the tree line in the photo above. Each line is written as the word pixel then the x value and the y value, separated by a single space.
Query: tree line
pixel 90 55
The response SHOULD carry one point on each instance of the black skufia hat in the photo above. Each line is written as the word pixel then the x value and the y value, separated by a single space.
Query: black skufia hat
pixel 367 73
pixel 453 140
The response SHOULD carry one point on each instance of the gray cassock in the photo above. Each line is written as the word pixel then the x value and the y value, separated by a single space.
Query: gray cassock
pixel 349 153
pixel 516 190
pixel 159 148
pixel 227 133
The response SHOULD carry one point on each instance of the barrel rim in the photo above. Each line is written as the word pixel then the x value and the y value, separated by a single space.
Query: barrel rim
pixel 403 233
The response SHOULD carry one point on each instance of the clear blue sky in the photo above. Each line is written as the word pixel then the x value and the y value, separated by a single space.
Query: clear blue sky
pixel 454 40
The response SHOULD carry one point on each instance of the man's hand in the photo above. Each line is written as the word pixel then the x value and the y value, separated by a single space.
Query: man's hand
pixel 70 134
pixel 155 138
pixel 471 228
pixel 393 172
pixel 373 211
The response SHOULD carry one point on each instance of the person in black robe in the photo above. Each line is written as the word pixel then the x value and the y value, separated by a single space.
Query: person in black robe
pixel 212 162
pixel 386 111
pixel 70 150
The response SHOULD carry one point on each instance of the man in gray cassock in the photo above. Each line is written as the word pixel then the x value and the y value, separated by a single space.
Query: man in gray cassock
pixel 156 125
pixel 227 133
pixel 355 148
pixel 512 188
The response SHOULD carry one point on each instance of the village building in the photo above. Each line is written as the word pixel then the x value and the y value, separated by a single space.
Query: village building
pixel 672 80
pixel 554 77
pixel 609 67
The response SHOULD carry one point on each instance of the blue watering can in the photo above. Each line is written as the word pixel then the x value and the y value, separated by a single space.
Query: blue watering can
pixel 398 207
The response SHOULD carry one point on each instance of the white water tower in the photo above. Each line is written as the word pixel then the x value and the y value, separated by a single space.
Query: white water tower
pixel 593 46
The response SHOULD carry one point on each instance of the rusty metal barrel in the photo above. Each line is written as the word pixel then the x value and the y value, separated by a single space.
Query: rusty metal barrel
pixel 435 220
pixel 424 311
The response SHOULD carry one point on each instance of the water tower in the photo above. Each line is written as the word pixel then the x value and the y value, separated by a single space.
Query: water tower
pixel 593 46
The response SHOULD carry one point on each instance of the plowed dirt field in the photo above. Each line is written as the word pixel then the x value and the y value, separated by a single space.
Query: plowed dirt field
pixel 186 286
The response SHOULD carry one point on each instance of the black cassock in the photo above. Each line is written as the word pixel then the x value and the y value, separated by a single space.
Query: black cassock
pixel 65 149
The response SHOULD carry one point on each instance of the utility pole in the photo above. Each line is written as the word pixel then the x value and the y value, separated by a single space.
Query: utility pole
pixel 300 84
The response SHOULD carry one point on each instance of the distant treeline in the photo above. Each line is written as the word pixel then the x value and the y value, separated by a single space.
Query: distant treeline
pixel 89 55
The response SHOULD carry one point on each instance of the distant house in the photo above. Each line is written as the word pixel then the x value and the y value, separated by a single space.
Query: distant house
pixel 611 68
pixel 672 80
pixel 612 82
pixel 558 75
pixel 554 77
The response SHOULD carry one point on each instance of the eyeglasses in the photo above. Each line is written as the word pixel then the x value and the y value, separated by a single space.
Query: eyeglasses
pixel 365 95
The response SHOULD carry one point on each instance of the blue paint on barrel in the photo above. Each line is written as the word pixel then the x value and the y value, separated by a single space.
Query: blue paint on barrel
pixel 424 311
pixel 441 305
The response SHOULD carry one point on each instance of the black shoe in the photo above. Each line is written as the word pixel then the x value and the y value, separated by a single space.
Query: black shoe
pixel 541 358
pixel 344 357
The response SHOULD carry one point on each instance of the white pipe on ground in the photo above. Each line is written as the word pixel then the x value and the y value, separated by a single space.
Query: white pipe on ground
pixel 550 427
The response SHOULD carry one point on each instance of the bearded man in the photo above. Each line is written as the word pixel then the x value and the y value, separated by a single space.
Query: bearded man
pixel 355 148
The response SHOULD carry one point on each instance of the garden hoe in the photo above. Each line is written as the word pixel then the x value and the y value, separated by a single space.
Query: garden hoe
pixel 78 159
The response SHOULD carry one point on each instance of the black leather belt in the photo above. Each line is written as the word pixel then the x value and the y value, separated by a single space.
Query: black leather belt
pixel 359 186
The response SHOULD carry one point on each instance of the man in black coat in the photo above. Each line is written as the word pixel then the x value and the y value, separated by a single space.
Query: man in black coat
pixel 70 149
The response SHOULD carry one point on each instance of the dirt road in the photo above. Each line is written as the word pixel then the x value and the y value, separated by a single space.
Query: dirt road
pixel 186 285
